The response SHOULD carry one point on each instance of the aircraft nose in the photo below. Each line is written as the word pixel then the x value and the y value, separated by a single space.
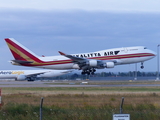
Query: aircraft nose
pixel 154 53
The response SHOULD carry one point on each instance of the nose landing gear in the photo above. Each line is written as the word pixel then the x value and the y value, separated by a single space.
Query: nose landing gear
pixel 142 65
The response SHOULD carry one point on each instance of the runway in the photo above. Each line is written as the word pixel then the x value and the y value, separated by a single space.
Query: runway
pixel 37 84
pixel 69 84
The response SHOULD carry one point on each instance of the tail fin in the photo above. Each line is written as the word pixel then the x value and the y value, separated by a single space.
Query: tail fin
pixel 20 52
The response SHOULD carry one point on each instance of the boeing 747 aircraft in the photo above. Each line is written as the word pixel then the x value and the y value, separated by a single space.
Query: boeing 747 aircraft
pixel 87 62
pixel 30 75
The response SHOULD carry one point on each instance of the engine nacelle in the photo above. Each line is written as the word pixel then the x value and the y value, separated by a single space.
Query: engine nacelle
pixel 21 77
pixel 75 66
pixel 93 63
pixel 109 64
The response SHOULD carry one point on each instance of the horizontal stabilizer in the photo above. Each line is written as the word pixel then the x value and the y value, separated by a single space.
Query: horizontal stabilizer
pixel 22 61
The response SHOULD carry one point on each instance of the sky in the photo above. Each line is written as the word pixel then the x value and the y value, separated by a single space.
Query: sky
pixel 78 26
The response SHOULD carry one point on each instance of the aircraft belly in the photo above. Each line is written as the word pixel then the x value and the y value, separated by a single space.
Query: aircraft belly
pixel 133 60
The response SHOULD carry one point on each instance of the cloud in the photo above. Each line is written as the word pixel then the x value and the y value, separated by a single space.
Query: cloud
pixel 86 5
pixel 79 31
pixel 103 26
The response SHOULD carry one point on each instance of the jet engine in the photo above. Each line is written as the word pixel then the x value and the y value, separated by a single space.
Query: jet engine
pixel 75 66
pixel 93 63
pixel 109 64
pixel 21 78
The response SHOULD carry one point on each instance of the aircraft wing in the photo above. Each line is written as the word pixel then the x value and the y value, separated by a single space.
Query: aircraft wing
pixel 67 71
pixel 84 63
pixel 35 74
pixel 78 59
pixel 75 59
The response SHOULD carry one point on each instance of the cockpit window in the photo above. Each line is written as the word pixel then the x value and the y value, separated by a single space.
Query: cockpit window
pixel 145 47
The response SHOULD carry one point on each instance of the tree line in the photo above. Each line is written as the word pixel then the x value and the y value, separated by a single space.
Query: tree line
pixel 110 74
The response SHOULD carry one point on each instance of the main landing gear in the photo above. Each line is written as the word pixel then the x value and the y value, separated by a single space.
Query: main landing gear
pixel 30 79
pixel 142 65
pixel 88 72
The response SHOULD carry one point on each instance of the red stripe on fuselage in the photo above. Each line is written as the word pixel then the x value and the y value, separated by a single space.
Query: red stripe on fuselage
pixel 122 56
pixel 98 58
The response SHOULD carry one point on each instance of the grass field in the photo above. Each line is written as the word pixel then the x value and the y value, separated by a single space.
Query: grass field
pixel 86 103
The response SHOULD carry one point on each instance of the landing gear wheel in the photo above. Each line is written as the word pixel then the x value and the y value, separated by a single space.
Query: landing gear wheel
pixel 94 70
pixel 88 73
pixel 83 73
pixel 142 65
pixel 92 73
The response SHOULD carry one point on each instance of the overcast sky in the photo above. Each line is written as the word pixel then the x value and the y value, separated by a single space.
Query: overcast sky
pixel 77 26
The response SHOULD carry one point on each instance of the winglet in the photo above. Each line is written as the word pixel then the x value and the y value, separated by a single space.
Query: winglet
pixel 61 53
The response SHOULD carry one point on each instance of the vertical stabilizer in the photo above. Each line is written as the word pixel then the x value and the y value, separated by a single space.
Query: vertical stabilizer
pixel 20 52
